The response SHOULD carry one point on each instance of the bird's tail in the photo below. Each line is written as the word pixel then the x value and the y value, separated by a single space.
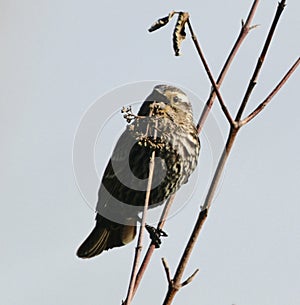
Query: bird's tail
pixel 106 235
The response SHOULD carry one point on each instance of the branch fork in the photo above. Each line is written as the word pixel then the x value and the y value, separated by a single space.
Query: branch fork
pixel 171 282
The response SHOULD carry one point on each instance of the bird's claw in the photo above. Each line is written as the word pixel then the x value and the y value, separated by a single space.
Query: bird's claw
pixel 155 235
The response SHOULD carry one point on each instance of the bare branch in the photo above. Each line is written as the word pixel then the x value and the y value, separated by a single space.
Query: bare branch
pixel 261 59
pixel 254 26
pixel 190 278
pixel 253 114
pixel 214 85
pixel 151 247
pixel 138 248
pixel 184 259
pixel 167 270
pixel 246 27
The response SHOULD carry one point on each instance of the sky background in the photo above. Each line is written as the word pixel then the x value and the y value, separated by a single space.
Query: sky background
pixel 57 59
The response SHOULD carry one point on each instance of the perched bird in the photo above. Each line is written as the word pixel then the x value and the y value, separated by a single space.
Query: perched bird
pixel 164 124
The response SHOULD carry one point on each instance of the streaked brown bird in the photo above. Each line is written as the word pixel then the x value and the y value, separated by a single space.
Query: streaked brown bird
pixel 164 124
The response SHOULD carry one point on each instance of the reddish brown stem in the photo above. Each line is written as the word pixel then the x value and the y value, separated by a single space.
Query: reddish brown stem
pixel 261 60
pixel 209 74
pixel 138 248
pixel 151 247
pixel 173 289
pixel 175 285
pixel 246 27
pixel 261 106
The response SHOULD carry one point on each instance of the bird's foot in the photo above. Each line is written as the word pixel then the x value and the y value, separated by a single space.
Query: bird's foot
pixel 155 235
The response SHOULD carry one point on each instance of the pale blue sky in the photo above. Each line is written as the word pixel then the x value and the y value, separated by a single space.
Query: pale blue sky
pixel 57 58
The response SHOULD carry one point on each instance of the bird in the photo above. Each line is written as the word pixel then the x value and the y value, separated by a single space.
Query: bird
pixel 164 125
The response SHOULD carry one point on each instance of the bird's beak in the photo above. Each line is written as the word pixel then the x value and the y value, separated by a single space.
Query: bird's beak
pixel 158 96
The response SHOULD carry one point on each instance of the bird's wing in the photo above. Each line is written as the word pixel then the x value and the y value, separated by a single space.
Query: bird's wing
pixel 117 178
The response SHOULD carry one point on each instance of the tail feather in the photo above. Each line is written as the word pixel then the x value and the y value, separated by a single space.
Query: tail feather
pixel 106 235
pixel 95 243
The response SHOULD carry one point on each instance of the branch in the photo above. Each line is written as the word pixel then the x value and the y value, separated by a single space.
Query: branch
pixel 246 27
pixel 202 217
pixel 254 113
pixel 167 270
pixel 209 74
pixel 171 282
pixel 261 59
pixel 190 278
pixel 151 247
pixel 138 248
pixel 185 257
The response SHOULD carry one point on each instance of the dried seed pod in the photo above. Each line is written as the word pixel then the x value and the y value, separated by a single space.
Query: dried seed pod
pixel 161 22
pixel 179 32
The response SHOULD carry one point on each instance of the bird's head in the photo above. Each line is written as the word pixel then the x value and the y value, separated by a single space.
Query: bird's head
pixel 170 99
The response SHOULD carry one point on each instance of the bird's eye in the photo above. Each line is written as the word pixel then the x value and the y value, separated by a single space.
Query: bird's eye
pixel 176 99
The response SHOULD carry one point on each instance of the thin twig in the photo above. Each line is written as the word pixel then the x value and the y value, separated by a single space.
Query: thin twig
pixel 176 282
pixel 167 270
pixel 246 27
pixel 190 278
pixel 209 74
pixel 260 61
pixel 262 105
pixel 151 247
pixel 169 279
pixel 138 248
